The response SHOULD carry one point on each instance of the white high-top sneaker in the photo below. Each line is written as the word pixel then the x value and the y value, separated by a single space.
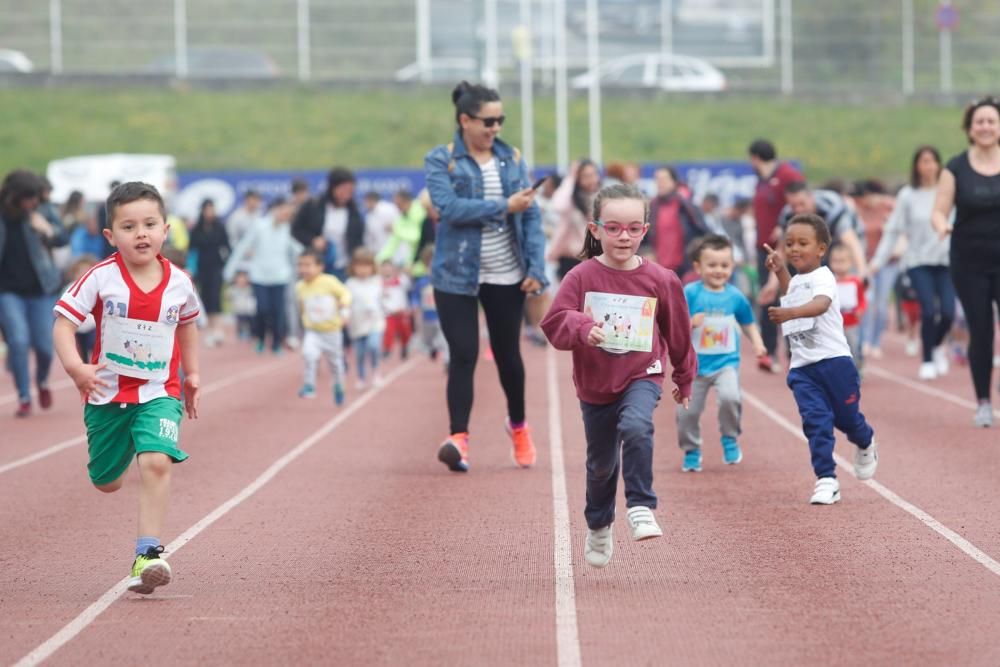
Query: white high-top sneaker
pixel 599 546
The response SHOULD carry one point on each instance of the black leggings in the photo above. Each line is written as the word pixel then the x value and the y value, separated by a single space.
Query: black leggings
pixel 978 291
pixel 459 315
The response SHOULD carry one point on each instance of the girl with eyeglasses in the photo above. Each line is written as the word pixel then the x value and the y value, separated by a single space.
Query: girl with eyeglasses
pixel 489 252
pixel 622 317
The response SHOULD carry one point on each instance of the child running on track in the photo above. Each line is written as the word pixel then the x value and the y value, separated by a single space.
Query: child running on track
pixel 324 303
pixel 621 316
pixel 718 310
pixel 367 320
pixel 145 309
pixel 851 293
pixel 823 377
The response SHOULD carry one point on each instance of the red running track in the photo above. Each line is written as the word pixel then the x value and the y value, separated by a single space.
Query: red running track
pixel 341 540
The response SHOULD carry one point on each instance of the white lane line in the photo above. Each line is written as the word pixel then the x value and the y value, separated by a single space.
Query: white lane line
pixel 55 386
pixel 90 614
pixel 80 439
pixel 923 388
pixel 969 549
pixel 567 633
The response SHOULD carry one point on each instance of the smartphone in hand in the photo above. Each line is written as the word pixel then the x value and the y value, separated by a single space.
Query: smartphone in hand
pixel 540 182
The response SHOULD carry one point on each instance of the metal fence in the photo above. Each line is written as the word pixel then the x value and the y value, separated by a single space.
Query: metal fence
pixel 817 47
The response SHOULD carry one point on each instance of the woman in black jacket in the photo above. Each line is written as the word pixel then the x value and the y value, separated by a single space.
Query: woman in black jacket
pixel 332 223
pixel 210 241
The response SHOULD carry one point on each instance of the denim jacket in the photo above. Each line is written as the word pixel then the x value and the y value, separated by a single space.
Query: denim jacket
pixel 455 183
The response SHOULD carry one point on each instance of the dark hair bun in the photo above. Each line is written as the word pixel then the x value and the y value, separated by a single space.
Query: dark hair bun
pixel 460 90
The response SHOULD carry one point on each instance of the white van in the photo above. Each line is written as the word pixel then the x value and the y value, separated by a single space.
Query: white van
pixel 93 174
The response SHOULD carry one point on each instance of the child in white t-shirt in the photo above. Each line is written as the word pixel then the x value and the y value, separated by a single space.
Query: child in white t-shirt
pixel 823 377
pixel 366 324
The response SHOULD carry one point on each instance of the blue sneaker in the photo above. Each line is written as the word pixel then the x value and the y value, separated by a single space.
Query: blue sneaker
pixel 260 347
pixel 692 461
pixel 731 452
pixel 338 394
pixel 307 391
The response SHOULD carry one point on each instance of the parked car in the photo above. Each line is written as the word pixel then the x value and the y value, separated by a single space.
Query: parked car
pixel 656 70
pixel 219 62
pixel 93 174
pixel 15 61
pixel 441 69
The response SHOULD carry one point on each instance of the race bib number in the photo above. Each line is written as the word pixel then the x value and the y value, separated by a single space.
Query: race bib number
pixel 627 320
pixel 321 308
pixel 716 335
pixel 848 294
pixel 797 297
pixel 137 348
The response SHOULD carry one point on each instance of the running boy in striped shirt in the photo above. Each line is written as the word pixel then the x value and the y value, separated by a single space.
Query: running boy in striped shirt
pixel 144 308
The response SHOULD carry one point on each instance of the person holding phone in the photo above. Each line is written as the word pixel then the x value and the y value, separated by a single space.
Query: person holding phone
pixel 489 252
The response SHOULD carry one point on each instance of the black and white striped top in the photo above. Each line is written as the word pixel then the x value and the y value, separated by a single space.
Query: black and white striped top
pixel 498 262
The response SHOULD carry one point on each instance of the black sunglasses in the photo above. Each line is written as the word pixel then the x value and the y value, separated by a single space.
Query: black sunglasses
pixel 492 120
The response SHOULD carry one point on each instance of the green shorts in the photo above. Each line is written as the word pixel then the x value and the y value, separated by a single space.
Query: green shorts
pixel 118 431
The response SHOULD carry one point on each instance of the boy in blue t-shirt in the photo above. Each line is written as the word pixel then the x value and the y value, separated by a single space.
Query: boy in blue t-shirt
pixel 718 311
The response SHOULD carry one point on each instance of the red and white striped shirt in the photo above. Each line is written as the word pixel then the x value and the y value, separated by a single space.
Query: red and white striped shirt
pixel 107 290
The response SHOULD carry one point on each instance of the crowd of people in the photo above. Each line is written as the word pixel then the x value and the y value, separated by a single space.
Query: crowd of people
pixel 628 274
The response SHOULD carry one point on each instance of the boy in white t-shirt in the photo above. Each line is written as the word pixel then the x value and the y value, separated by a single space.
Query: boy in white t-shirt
pixel 144 309
pixel 823 377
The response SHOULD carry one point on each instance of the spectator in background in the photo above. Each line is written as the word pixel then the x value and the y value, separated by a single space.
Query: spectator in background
pixel 332 223
pixel 87 239
pixel 710 213
pixel 29 280
pixel 925 258
pixel 300 193
pixel 270 256
pixel 380 216
pixel 572 202
pixel 404 242
pixel 768 201
pixel 874 205
pixel 737 224
pixel 243 218
pixel 74 211
pixel 674 222
pixel 211 242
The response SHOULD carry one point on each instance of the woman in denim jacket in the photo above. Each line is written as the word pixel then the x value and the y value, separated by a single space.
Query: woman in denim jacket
pixel 489 251
pixel 29 280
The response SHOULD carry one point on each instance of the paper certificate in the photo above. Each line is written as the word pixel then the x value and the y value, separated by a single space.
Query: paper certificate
pixel 627 320
pixel 716 335
pixel 797 297
pixel 137 348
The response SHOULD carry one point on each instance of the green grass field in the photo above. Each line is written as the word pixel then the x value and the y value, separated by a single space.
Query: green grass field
pixel 293 128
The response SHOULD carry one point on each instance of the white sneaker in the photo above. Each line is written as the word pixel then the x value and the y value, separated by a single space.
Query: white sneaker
pixel 826 492
pixel 643 523
pixel 865 461
pixel 599 546
pixel 940 357
pixel 928 371
pixel 912 348
pixel 984 415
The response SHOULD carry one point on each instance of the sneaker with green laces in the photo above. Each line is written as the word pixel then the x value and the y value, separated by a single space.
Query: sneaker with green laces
pixel 149 571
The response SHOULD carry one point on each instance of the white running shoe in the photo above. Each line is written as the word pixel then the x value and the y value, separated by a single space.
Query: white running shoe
pixel 940 357
pixel 826 492
pixel 928 371
pixel 912 348
pixel 984 415
pixel 865 461
pixel 643 523
pixel 599 546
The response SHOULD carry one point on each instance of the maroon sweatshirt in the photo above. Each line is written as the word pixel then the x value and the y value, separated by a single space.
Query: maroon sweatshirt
pixel 601 376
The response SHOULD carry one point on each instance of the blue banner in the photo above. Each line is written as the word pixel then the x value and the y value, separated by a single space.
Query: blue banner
pixel 728 180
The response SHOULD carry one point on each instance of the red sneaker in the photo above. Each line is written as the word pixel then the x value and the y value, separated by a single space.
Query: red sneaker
pixel 454 452
pixel 23 409
pixel 766 363
pixel 524 449
pixel 45 398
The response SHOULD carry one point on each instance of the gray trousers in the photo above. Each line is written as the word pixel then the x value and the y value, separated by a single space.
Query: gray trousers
pixel 727 395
